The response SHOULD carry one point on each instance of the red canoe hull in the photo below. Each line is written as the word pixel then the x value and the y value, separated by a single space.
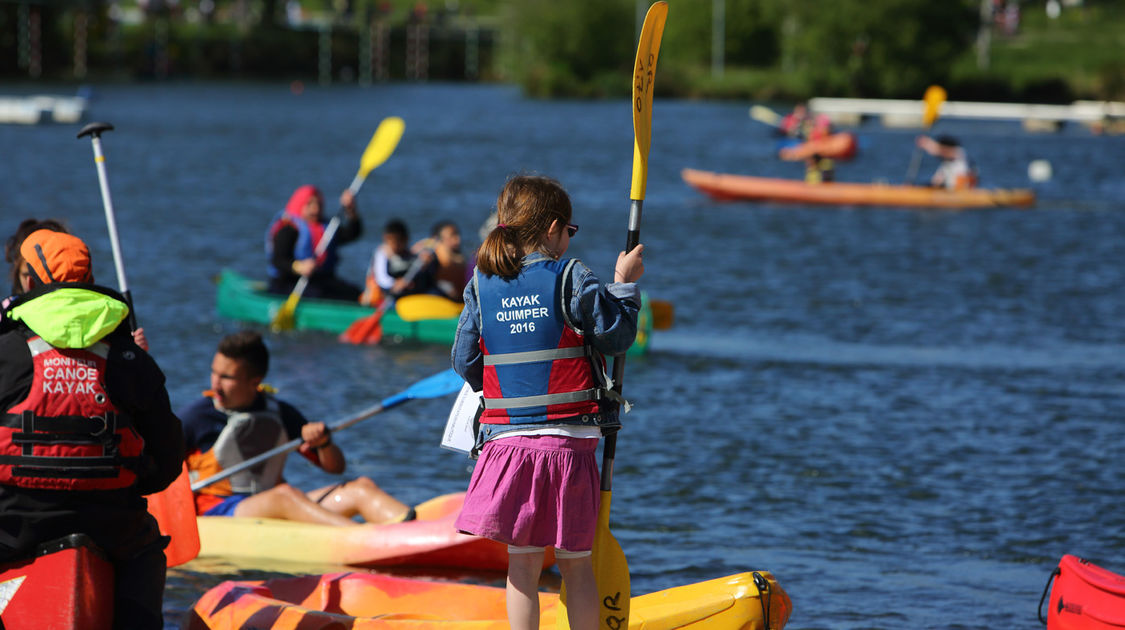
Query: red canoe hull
pixel 69 588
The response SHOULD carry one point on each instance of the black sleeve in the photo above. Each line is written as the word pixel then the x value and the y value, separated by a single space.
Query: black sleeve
pixel 292 419
pixel 136 386
pixel 284 244
pixel 16 369
pixel 349 230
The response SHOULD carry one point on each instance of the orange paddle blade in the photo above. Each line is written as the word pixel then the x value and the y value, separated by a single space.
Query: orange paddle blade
pixel 365 330
pixel 174 509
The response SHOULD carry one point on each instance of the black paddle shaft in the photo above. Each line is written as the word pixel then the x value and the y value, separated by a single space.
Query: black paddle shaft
pixel 609 449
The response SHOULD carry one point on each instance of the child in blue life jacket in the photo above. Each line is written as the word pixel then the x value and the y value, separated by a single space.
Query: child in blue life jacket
pixel 532 337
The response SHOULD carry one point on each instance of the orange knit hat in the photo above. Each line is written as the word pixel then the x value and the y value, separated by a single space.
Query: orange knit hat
pixel 56 257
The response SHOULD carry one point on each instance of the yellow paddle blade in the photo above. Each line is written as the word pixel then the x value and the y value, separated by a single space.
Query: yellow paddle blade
pixel 933 98
pixel 765 115
pixel 382 144
pixel 611 570
pixel 644 73
pixel 412 308
pixel 285 318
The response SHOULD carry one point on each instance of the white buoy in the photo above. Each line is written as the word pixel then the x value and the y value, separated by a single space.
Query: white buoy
pixel 1039 171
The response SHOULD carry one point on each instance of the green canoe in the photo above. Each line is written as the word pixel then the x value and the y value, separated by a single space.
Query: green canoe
pixel 243 299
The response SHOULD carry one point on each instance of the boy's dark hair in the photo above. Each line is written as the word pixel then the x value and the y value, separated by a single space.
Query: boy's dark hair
pixel 397 227
pixel 247 345
pixel 435 231
pixel 947 141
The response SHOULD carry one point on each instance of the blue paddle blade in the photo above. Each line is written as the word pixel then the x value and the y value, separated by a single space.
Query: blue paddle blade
pixel 440 384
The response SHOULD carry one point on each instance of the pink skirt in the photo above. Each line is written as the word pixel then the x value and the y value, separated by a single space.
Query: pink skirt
pixel 535 491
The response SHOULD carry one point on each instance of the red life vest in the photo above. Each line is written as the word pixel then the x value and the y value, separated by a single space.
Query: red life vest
pixel 67 434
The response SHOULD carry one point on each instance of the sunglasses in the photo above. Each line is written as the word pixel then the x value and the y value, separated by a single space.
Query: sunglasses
pixel 571 229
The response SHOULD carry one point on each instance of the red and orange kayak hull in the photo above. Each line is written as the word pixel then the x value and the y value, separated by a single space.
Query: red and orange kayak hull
pixel 361 601
pixel 726 187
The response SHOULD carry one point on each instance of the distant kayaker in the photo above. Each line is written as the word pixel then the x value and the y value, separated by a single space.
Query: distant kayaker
pixel 804 125
pixel 237 419
pixel 533 336
pixel 956 171
pixel 819 169
pixel 87 429
pixel 448 270
pixel 292 240
pixel 394 269
pixel 21 277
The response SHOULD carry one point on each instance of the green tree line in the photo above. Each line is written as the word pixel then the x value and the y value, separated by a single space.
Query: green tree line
pixel 760 49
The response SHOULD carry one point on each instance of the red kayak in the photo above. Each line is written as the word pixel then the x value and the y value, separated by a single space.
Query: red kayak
pixel 1084 597
pixel 67 585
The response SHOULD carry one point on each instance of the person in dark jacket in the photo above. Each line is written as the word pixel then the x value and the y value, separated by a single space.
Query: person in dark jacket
pixel 294 237
pixel 69 367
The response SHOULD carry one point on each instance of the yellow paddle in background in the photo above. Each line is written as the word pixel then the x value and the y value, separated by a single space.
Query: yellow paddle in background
pixel 765 115
pixel 382 145
pixel 932 101
pixel 610 566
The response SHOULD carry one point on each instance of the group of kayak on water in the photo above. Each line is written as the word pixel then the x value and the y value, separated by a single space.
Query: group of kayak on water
pixel 955 172
pixel 88 428
pixel 295 249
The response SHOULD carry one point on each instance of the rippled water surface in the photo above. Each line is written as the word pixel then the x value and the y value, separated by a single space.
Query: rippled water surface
pixel 908 416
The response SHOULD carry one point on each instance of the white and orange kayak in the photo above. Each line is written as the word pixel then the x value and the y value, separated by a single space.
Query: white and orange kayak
pixel 430 540
pixel 728 187
pixel 363 601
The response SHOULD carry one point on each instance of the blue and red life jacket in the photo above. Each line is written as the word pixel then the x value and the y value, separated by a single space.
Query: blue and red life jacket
pixel 538 369
pixel 67 434
pixel 305 247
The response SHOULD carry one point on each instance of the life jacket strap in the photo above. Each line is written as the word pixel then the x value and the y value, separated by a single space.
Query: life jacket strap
pixel 544 399
pixel 534 356
pixel 68 467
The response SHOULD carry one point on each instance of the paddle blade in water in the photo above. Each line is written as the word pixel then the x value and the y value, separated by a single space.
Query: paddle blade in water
pixel 644 73
pixel 174 510
pixel 365 330
pixel 382 144
pixel 284 318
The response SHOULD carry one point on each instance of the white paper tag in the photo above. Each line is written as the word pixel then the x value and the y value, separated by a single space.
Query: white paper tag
pixel 459 434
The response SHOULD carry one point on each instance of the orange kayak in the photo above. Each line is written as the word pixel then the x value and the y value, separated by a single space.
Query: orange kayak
pixel 838 146
pixel 429 541
pixel 363 601
pixel 728 187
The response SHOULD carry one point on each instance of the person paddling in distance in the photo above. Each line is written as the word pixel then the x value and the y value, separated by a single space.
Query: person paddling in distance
pixel 956 171
pixel 237 419
pixel 292 240
pixel 86 429
pixel 448 269
pixel 391 271
pixel 533 336
pixel 22 278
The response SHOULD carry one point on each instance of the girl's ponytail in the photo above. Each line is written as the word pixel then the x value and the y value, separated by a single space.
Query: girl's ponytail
pixel 525 208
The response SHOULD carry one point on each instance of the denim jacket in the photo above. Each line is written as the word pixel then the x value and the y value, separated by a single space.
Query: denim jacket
pixel 607 315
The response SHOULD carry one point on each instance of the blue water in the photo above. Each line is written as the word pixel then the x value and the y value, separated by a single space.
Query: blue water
pixel 908 416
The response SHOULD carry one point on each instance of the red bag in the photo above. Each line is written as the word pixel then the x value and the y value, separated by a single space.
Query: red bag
pixel 1084 597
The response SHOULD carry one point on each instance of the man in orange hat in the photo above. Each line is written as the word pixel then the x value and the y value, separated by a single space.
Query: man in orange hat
pixel 69 368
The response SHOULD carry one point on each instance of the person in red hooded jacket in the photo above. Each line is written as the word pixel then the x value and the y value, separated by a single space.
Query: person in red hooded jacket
pixel 86 429
pixel 294 237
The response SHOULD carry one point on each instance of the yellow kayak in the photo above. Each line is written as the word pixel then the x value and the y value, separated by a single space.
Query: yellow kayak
pixel 363 601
